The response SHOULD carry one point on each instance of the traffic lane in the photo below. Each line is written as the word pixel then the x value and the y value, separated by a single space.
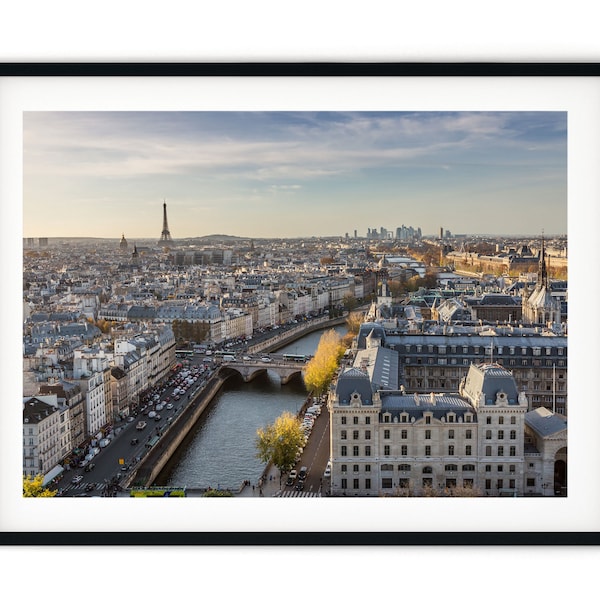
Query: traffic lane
pixel 316 452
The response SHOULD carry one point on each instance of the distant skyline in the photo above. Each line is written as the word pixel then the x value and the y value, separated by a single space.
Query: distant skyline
pixel 293 174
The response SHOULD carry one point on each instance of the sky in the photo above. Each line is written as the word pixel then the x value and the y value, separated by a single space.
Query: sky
pixel 293 174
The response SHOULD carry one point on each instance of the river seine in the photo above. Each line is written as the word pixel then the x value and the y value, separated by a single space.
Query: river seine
pixel 220 451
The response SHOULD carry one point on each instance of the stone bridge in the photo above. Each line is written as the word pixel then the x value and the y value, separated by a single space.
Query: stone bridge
pixel 249 369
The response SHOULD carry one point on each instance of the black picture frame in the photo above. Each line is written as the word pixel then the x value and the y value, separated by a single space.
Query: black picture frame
pixel 301 70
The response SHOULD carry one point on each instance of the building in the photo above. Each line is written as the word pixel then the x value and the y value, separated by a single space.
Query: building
pixel 41 437
pixel 388 442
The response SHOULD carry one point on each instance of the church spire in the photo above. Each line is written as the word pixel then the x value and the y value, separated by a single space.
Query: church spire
pixel 542 272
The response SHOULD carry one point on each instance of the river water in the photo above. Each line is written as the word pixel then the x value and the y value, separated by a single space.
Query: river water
pixel 220 450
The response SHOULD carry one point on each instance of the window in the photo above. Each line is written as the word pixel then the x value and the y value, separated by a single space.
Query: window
pixel 530 482
pixel 500 434
pixel 368 467
pixel 344 451
pixel 469 434
pixel 450 483
pixel 511 468
pixel 403 467
pixel 501 420
pixel 355 468
pixel 427 450
pixel 387 467
pixel 386 434
pixel 427 482
pixel 451 434
pixel 468 467
pixel 367 434
pixel 343 434
pixel 355 483
pixel 500 450
pixel 488 468
pixel 344 468
pixel 468 483
pixel 367 420
pixel 500 468
pixel 428 434
pixel 468 418
pixel 488 434
pixel 367 484
pixel 355 434
pixel 468 450
pixel 488 451
pixel 344 484
pixel 450 418
pixel 354 450
pixel 451 468
pixel 404 419
pixel 511 484
pixel 386 450
pixel 428 420
pixel 488 484
pixel 404 434
pixel 513 434
pixel 386 483
pixel 513 451
pixel 500 484
pixel 404 450
pixel 355 420
pixel 427 470
pixel 343 420
pixel 488 420
pixel 386 418
pixel 367 450
pixel 450 450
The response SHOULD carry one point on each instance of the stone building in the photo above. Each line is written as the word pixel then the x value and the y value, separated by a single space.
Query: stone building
pixel 388 442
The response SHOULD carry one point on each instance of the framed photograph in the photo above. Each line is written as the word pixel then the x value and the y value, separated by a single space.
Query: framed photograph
pixel 123 185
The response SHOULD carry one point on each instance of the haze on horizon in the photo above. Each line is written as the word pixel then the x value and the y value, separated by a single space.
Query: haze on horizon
pixel 293 174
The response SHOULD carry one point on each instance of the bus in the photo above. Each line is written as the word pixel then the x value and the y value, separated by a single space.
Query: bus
pixel 294 357
pixel 184 353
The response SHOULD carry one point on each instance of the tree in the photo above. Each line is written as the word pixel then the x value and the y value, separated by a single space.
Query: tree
pixel 279 443
pixel 320 370
pixel 33 488
pixel 354 321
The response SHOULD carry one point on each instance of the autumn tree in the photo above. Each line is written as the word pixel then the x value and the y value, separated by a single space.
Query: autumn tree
pixel 354 322
pixel 33 487
pixel 279 442
pixel 320 370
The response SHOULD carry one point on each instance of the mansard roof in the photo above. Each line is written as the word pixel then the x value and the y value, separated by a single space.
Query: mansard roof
pixel 353 381
pixel 488 381
pixel 544 422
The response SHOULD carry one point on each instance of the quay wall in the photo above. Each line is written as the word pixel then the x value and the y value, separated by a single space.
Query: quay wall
pixel 150 466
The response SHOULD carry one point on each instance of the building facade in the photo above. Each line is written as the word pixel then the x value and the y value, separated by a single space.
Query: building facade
pixel 386 442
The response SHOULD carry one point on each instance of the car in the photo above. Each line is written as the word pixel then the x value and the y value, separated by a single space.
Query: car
pixel 130 419
pixel 157 418
pixel 303 472
pixel 300 485
pixel 134 442
pixel 76 479
pixel 327 472
pixel 90 486
pixel 169 406
pixel 89 467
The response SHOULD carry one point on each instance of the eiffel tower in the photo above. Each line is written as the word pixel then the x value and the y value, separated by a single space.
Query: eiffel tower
pixel 165 236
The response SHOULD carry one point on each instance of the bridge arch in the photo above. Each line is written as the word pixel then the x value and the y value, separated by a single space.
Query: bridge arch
pixel 251 370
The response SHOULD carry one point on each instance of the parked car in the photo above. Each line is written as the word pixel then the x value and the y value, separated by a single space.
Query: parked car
pixel 89 467
pixel 134 442
pixel 76 479
pixel 303 472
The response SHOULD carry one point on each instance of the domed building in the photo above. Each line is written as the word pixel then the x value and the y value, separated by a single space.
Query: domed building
pixel 123 244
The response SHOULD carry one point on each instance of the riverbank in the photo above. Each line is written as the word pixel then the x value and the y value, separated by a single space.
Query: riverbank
pixel 152 464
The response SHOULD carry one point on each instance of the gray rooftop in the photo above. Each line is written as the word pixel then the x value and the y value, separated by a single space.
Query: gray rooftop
pixel 545 422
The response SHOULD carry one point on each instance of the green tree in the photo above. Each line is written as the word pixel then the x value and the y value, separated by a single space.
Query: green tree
pixel 279 442
pixel 33 488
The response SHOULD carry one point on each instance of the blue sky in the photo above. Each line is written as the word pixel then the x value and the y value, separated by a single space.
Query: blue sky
pixel 293 174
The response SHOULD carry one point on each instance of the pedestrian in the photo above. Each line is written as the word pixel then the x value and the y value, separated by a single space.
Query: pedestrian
pixel 253 488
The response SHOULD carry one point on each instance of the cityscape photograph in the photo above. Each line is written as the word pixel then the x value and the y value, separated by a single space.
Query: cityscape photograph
pixel 293 304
